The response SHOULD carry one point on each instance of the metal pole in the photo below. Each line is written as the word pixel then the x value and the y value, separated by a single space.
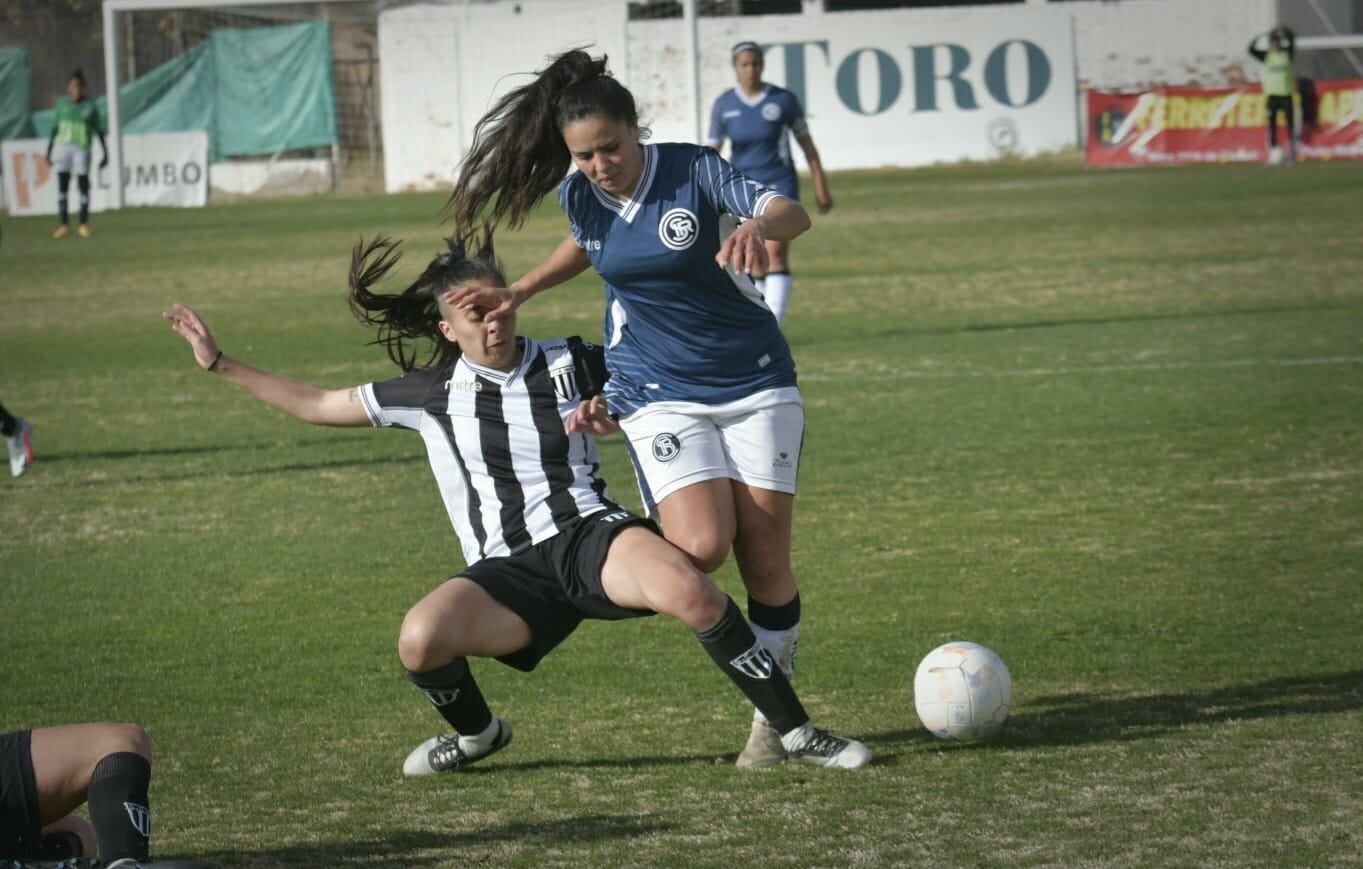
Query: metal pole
pixel 691 22
pixel 115 137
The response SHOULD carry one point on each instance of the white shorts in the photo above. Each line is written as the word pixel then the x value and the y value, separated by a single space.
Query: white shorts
pixel 69 158
pixel 755 440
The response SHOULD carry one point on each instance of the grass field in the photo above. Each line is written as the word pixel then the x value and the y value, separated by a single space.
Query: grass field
pixel 1107 423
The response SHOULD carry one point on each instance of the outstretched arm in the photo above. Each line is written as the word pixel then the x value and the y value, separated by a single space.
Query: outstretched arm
pixel 1254 49
pixel 565 263
pixel 104 149
pixel 745 251
pixel 313 404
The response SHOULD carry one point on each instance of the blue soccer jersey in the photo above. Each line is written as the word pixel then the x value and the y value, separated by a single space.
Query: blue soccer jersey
pixel 759 129
pixel 678 327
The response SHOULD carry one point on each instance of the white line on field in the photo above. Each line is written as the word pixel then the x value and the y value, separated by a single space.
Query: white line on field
pixel 1096 369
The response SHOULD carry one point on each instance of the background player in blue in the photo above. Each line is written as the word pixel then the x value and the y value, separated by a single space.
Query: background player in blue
pixel 504 424
pixel 702 380
pixel 758 119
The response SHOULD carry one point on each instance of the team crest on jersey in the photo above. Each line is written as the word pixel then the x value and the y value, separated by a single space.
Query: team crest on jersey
pixel 565 383
pixel 771 112
pixel 678 229
pixel 666 447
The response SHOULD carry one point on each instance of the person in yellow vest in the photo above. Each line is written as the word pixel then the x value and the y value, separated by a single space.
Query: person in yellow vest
pixel 1279 82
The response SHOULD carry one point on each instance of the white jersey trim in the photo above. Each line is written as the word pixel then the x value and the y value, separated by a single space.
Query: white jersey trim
pixel 752 102
pixel 628 208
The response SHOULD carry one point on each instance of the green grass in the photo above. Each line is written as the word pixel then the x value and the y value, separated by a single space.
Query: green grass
pixel 1107 423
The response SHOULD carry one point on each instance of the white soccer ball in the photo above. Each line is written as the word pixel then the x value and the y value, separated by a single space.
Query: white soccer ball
pixel 962 691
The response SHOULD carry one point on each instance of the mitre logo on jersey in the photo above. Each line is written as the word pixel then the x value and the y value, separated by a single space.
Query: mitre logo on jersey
pixel 678 229
pixel 666 447
pixel 771 112
pixel 565 383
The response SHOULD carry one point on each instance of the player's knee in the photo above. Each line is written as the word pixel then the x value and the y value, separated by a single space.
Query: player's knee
pixel 694 599
pixel 127 737
pixel 419 641
pixel 707 551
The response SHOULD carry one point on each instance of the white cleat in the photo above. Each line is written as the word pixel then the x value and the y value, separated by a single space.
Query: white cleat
pixel 20 447
pixel 764 747
pixel 821 748
pixel 450 751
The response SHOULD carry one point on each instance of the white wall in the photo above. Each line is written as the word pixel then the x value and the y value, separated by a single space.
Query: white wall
pixel 419 110
pixel 1137 44
pixel 443 65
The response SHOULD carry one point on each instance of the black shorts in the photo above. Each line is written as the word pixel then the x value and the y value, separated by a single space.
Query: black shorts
pixel 556 584
pixel 21 828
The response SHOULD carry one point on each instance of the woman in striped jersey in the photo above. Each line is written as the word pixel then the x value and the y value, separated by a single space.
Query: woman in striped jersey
pixel 507 423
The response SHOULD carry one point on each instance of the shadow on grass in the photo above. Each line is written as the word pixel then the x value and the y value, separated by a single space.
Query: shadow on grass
pixel 151 452
pixel 600 763
pixel 1060 322
pixel 241 473
pixel 1084 718
pixel 413 848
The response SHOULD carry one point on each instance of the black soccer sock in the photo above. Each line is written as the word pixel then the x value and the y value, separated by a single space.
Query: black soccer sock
pixel 7 423
pixel 83 182
pixel 455 695
pixel 775 618
pixel 118 805
pixel 63 185
pixel 732 645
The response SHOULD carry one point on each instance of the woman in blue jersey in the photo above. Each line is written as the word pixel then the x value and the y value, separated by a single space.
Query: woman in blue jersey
pixel 758 119
pixel 702 381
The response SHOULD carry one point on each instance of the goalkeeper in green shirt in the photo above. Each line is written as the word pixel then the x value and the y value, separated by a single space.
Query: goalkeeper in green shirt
pixel 1279 82
pixel 68 150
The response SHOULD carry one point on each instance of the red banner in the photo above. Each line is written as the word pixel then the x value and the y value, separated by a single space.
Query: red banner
pixel 1220 125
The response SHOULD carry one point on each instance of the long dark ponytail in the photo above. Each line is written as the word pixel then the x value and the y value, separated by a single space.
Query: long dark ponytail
pixel 410 318
pixel 518 154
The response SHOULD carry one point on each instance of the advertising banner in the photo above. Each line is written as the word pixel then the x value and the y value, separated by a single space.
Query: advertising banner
pixel 1220 125
pixel 159 169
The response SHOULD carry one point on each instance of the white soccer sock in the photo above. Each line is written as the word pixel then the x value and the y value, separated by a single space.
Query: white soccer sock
pixel 480 742
pixel 776 290
pixel 782 645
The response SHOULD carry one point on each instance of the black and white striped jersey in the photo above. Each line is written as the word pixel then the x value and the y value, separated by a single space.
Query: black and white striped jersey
pixel 509 475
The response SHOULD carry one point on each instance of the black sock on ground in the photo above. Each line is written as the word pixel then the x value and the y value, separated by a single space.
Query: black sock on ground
pixel 775 618
pixel 63 185
pixel 7 423
pixel 732 645
pixel 455 695
pixel 118 806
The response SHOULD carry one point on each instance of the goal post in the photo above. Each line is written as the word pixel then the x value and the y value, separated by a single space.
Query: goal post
pixel 114 61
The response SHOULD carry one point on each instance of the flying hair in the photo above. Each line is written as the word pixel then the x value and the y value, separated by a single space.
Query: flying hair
pixel 409 320
pixel 518 154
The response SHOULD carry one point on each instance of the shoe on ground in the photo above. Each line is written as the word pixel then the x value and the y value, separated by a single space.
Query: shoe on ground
pixel 20 447
pixel 819 747
pixel 449 752
pixel 84 230
pixel 62 231
pixel 764 747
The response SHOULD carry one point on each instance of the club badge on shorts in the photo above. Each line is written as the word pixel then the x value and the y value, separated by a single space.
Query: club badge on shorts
pixel 666 447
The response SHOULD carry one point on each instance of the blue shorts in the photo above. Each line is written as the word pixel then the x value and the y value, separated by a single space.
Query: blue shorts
pixel 787 185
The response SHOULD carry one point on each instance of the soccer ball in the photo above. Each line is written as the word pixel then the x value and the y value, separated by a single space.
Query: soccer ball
pixel 962 691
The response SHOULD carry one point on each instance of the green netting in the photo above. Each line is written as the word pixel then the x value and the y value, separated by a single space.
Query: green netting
pixel 256 91
pixel 13 93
